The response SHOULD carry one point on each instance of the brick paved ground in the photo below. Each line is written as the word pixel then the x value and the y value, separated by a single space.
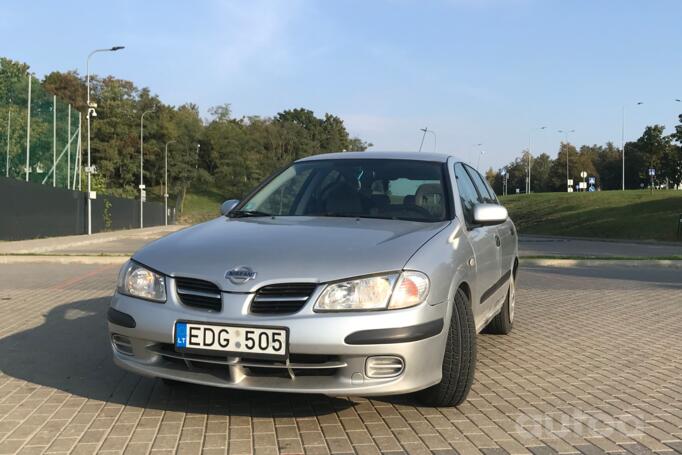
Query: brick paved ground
pixel 594 365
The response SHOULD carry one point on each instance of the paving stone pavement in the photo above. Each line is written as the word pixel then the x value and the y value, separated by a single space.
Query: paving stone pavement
pixel 594 365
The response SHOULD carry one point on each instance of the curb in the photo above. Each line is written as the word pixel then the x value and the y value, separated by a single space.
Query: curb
pixel 38 259
pixel 567 238
pixel 658 263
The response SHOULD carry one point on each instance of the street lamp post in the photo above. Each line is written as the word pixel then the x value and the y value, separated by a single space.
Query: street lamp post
pixel 427 130
pixel 92 113
pixel 480 154
pixel 165 178
pixel 529 154
pixel 622 141
pixel 142 192
pixel 566 133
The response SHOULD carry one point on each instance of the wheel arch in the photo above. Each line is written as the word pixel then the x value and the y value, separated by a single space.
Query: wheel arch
pixel 464 286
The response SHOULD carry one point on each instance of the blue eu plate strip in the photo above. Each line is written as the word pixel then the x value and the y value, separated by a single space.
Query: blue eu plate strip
pixel 181 335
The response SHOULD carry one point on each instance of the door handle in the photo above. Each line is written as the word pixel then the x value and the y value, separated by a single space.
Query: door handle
pixel 497 240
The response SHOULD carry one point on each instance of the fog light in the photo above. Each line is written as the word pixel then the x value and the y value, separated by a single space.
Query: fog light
pixel 384 366
pixel 122 344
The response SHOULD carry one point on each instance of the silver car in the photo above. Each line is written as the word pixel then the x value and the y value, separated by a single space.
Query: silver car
pixel 365 273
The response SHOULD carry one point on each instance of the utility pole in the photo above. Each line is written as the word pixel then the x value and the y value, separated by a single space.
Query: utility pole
pixel 28 129
pixel 622 141
pixel 142 192
pixel 568 178
pixel 92 113
pixel 528 187
pixel 165 178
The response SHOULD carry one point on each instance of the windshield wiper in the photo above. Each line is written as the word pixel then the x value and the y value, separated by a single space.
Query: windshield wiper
pixel 247 213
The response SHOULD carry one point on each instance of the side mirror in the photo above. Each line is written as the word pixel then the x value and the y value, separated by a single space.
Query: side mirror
pixel 489 214
pixel 227 206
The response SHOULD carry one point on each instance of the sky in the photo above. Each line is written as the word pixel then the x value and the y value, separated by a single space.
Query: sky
pixel 488 72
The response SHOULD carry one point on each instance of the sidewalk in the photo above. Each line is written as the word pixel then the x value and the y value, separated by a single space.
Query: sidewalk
pixel 115 243
pixel 539 245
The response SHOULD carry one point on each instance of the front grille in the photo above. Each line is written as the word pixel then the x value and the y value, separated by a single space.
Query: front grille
pixel 298 364
pixel 285 298
pixel 199 293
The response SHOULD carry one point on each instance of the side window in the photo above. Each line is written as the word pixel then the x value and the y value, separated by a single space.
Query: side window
pixel 483 189
pixel 467 193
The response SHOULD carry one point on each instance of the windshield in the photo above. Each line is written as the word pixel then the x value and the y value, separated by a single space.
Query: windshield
pixel 364 188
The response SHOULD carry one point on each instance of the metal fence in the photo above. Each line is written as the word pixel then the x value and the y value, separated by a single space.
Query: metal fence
pixel 39 135
pixel 30 210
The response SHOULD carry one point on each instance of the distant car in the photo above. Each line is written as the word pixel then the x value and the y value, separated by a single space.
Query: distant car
pixel 364 273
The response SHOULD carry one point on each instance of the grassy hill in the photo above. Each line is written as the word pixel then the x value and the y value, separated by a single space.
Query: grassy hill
pixel 201 206
pixel 635 214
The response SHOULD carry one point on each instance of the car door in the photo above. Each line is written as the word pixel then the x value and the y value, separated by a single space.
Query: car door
pixel 483 242
pixel 505 231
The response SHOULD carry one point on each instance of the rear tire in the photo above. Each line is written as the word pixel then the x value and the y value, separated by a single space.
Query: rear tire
pixel 459 361
pixel 503 323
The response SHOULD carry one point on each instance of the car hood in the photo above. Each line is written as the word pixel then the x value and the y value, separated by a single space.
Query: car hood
pixel 287 249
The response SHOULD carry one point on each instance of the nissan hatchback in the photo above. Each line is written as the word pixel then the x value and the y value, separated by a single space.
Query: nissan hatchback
pixel 363 273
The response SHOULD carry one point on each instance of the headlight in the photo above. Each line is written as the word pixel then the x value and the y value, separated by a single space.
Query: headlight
pixel 137 281
pixel 411 289
pixel 375 293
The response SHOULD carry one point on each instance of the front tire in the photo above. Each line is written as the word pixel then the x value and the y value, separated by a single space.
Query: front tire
pixel 459 361
pixel 503 323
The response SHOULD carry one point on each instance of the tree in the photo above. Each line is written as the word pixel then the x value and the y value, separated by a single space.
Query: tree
pixel 557 172
pixel 608 165
pixel 235 154
pixel 69 87
pixel 540 168
pixel 649 152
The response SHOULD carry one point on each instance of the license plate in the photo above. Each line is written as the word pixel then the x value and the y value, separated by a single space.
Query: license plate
pixel 271 342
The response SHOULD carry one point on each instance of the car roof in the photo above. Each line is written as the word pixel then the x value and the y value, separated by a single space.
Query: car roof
pixel 418 156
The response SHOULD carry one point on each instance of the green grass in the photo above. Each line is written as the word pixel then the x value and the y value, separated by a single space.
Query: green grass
pixel 633 215
pixel 201 206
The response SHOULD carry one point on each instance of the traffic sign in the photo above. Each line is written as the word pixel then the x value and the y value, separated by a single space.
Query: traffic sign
pixel 583 174
pixel 652 172
pixel 592 180
pixel 570 182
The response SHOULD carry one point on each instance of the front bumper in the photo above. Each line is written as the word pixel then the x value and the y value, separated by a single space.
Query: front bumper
pixel 328 351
